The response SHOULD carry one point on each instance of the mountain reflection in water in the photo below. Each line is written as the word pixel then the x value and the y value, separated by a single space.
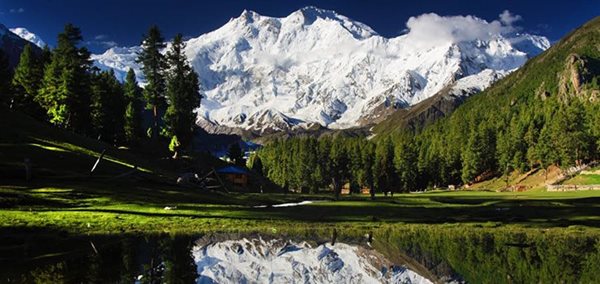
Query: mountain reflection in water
pixel 449 254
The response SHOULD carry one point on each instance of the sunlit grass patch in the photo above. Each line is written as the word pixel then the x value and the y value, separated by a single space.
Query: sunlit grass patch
pixel 51 190
pixel 584 179
pixel 49 148
pixel 68 147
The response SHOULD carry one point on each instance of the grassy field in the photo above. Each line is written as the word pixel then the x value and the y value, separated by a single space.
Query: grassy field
pixel 57 214
pixel 63 196
pixel 140 208
pixel 586 179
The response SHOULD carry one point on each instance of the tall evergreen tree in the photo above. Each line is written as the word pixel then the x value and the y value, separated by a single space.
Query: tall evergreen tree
pixel 134 107
pixel 234 153
pixel 339 166
pixel 368 161
pixel 108 107
pixel 5 75
pixel 182 94
pixel 384 165
pixel 405 161
pixel 26 81
pixel 153 66
pixel 65 90
pixel 479 153
pixel 257 165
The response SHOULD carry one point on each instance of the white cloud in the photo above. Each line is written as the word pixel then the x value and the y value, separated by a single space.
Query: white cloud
pixel 17 10
pixel 508 18
pixel 100 37
pixel 109 43
pixel 431 29
pixel 106 44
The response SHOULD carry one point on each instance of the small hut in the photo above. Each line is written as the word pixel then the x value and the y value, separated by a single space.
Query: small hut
pixel 236 175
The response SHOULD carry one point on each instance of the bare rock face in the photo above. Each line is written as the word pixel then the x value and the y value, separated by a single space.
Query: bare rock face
pixel 578 73
pixel 572 79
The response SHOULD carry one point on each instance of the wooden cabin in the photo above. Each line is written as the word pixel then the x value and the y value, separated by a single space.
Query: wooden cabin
pixel 236 175
pixel 346 189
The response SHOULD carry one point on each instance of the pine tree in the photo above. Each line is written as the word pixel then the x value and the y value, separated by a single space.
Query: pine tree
pixel 339 165
pixel 153 66
pixel 594 127
pixel 65 90
pixel 257 165
pixel 384 165
pixel 45 57
pixel 133 110
pixel 479 153
pixel 368 161
pixel 234 153
pixel 26 81
pixel 5 75
pixel 544 149
pixel 405 161
pixel 182 94
pixel 108 107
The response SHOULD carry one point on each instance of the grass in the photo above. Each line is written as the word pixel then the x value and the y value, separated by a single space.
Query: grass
pixel 63 196
pixel 140 208
pixel 63 208
pixel 585 179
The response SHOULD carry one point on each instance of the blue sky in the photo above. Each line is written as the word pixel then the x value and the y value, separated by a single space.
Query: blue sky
pixel 122 22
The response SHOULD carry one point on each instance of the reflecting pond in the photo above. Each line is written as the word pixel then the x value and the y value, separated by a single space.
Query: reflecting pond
pixel 391 256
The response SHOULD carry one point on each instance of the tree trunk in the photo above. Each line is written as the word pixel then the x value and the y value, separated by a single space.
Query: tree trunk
pixel 155 122
pixel 336 188
pixel 372 191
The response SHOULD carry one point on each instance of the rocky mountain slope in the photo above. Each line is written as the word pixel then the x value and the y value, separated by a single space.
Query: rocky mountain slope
pixel 29 36
pixel 12 45
pixel 315 67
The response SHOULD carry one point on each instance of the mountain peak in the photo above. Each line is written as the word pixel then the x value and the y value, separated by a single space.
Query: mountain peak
pixel 313 12
pixel 314 66
pixel 249 15
pixel 29 36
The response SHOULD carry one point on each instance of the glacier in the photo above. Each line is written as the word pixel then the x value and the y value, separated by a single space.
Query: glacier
pixel 315 67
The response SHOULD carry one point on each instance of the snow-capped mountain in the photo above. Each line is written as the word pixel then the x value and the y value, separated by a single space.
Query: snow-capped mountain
pixel 275 261
pixel 29 36
pixel 315 66
pixel 120 59
pixel 12 45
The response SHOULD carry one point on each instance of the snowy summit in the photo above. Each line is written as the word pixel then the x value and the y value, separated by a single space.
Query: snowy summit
pixel 29 36
pixel 267 74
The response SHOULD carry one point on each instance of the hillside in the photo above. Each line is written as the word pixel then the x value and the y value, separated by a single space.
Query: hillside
pixel 12 44
pixel 546 113
pixel 58 154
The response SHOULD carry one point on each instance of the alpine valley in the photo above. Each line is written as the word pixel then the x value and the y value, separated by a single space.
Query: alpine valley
pixel 317 69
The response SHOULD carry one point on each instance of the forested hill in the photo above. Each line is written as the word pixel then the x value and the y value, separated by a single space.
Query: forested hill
pixel 545 113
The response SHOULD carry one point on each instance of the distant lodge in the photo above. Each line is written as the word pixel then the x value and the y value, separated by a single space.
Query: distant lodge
pixel 363 190
pixel 235 175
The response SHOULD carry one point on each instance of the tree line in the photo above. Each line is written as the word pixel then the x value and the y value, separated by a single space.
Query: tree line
pixel 503 130
pixel 63 87
pixel 465 148
pixel 309 164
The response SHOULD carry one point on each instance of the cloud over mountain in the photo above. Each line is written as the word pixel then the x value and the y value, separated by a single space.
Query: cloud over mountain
pixel 432 29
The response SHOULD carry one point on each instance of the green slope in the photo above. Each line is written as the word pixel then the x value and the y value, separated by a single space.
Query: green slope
pixel 545 113
pixel 55 153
